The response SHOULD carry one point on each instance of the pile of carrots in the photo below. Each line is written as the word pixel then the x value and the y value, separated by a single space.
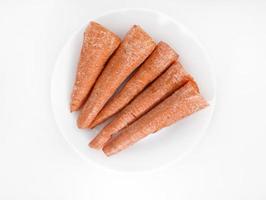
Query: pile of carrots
pixel 158 93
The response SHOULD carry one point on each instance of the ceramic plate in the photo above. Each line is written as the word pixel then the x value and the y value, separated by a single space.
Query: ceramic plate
pixel 167 145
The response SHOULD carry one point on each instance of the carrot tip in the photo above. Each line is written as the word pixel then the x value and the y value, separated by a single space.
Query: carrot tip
pixel 106 152
pixel 98 142
pixel 94 145
pixel 73 107
pixel 81 125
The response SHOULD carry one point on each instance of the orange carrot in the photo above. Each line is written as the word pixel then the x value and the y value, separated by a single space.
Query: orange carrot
pixel 182 103
pixel 165 85
pixel 156 63
pixel 98 45
pixel 135 48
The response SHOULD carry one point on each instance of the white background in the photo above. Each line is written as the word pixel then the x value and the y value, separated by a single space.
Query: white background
pixel 36 162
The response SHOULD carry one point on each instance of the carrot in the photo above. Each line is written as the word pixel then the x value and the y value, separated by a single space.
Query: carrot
pixel 165 85
pixel 156 63
pixel 98 45
pixel 182 103
pixel 135 48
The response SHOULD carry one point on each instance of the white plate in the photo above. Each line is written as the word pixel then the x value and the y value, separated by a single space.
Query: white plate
pixel 169 144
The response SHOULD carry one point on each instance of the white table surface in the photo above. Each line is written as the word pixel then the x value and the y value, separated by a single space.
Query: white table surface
pixel 37 163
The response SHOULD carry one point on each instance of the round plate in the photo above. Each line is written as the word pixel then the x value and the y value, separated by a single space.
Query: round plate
pixel 167 145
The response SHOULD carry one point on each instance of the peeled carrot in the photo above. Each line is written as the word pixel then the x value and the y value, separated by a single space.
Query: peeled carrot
pixel 174 77
pixel 135 48
pixel 182 103
pixel 156 63
pixel 98 45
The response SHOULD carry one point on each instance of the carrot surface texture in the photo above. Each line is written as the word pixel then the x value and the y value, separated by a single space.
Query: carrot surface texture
pixel 160 59
pixel 135 48
pixel 98 45
pixel 172 79
pixel 182 103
